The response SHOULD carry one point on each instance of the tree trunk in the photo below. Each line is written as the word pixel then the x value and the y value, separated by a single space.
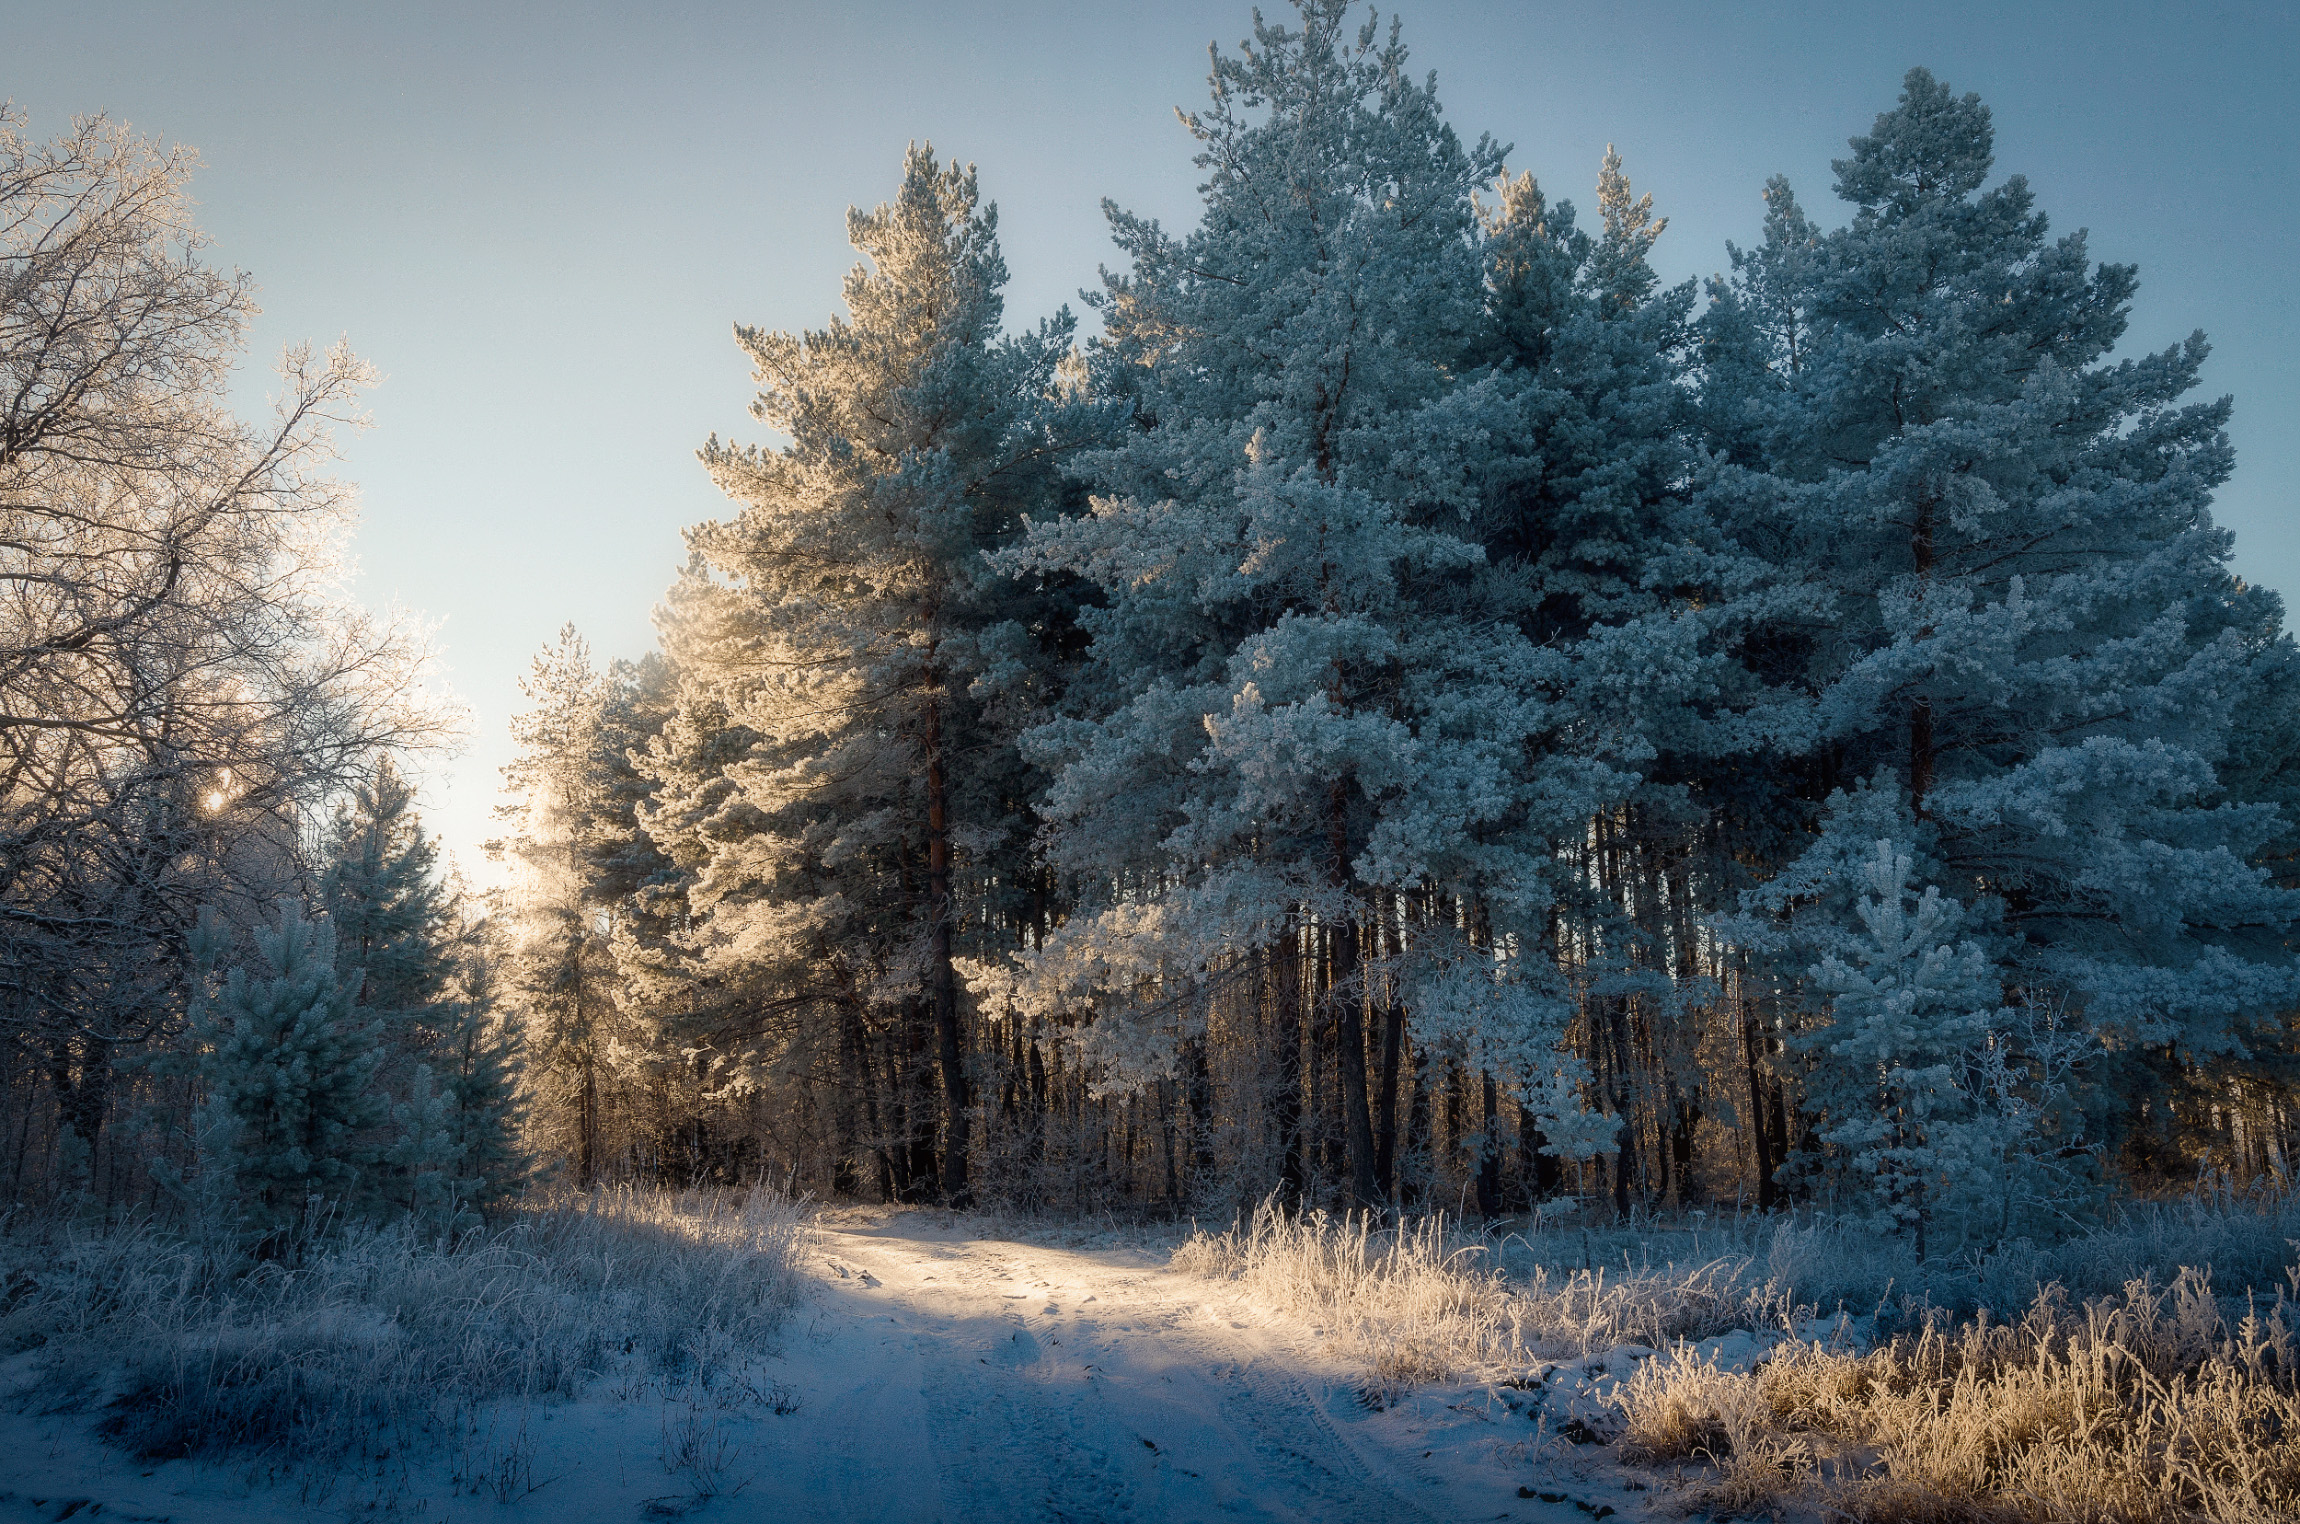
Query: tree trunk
pixel 1759 1124
pixel 943 987
pixel 81 1073
pixel 1625 1140
pixel 1393 1045
pixel 1284 997
pixel 853 1075
pixel 1489 1147
pixel 587 1121
pixel 1417 1136
pixel 1393 1051
pixel 1543 1173
pixel 1199 1090
pixel 1346 991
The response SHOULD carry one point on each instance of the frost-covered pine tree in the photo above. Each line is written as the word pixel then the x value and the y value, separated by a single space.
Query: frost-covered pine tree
pixel 840 780
pixel 421 1162
pixel 1911 1011
pixel 480 1058
pixel 1598 547
pixel 381 890
pixel 556 961
pixel 421 970
pixel 2026 657
pixel 1297 707
pixel 288 1062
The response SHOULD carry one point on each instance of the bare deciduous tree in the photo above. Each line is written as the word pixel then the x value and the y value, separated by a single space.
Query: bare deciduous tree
pixel 183 682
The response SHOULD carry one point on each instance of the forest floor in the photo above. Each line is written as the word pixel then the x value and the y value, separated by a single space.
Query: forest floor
pixel 944 1367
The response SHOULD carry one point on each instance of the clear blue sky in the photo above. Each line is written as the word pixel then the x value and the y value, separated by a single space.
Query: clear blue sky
pixel 541 221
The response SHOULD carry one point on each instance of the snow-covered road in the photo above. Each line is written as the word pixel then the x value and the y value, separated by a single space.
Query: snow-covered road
pixel 959 1377
pixel 943 1370
pixel 951 1376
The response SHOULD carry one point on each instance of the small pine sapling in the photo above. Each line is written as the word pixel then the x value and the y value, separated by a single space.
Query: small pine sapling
pixel 289 1062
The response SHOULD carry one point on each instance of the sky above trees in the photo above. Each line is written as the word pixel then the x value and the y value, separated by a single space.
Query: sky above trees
pixel 541 223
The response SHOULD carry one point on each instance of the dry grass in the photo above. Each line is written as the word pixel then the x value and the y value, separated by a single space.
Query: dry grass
pixel 2147 1407
pixel 379 1337
pixel 1409 1302
pixel 2125 1392
pixel 1423 1301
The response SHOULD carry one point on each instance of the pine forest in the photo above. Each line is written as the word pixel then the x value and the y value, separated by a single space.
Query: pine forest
pixel 1390 712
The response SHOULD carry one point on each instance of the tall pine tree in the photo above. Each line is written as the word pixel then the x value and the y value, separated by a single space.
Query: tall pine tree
pixel 1303 707
pixel 2026 656
pixel 858 665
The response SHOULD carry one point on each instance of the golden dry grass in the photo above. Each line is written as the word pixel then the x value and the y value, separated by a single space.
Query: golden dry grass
pixel 1421 1301
pixel 2149 1407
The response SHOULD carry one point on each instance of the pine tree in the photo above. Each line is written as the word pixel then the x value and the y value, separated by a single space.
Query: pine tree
pixel 422 1160
pixel 1302 705
pixel 2024 655
pixel 857 672
pixel 557 959
pixel 382 893
pixel 289 1064
pixel 480 1060
pixel 423 971
pixel 1598 548
pixel 1910 1011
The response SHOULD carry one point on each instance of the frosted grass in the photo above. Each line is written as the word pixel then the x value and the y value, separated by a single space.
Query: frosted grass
pixel 2146 1371
pixel 378 1338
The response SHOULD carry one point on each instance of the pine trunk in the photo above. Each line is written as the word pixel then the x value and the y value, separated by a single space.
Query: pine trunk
pixel 943 987
pixel 1283 964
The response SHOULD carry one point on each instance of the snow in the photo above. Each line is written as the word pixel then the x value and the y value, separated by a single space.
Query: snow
pixel 946 1368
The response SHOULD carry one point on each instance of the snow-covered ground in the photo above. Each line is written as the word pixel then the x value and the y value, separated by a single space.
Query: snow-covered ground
pixel 943 1369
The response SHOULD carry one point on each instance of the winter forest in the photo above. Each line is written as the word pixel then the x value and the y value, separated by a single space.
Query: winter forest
pixel 1417 712
pixel 1390 714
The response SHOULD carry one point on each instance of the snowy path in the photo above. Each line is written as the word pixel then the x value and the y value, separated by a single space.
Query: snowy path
pixel 1001 1379
pixel 944 1375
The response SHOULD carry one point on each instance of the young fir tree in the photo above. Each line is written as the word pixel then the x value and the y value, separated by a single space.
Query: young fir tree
pixel 1911 1014
pixel 854 661
pixel 421 973
pixel 2027 657
pixel 480 1060
pixel 381 890
pixel 289 1064
pixel 1298 710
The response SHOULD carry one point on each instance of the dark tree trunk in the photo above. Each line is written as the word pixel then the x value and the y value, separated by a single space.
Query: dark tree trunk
pixel 1284 997
pixel 1625 1140
pixel 942 983
pixel 1347 994
pixel 853 1078
pixel 1489 1147
pixel 81 1073
pixel 1393 1051
pixel 1199 1081
pixel 1760 1122
pixel 1417 1138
